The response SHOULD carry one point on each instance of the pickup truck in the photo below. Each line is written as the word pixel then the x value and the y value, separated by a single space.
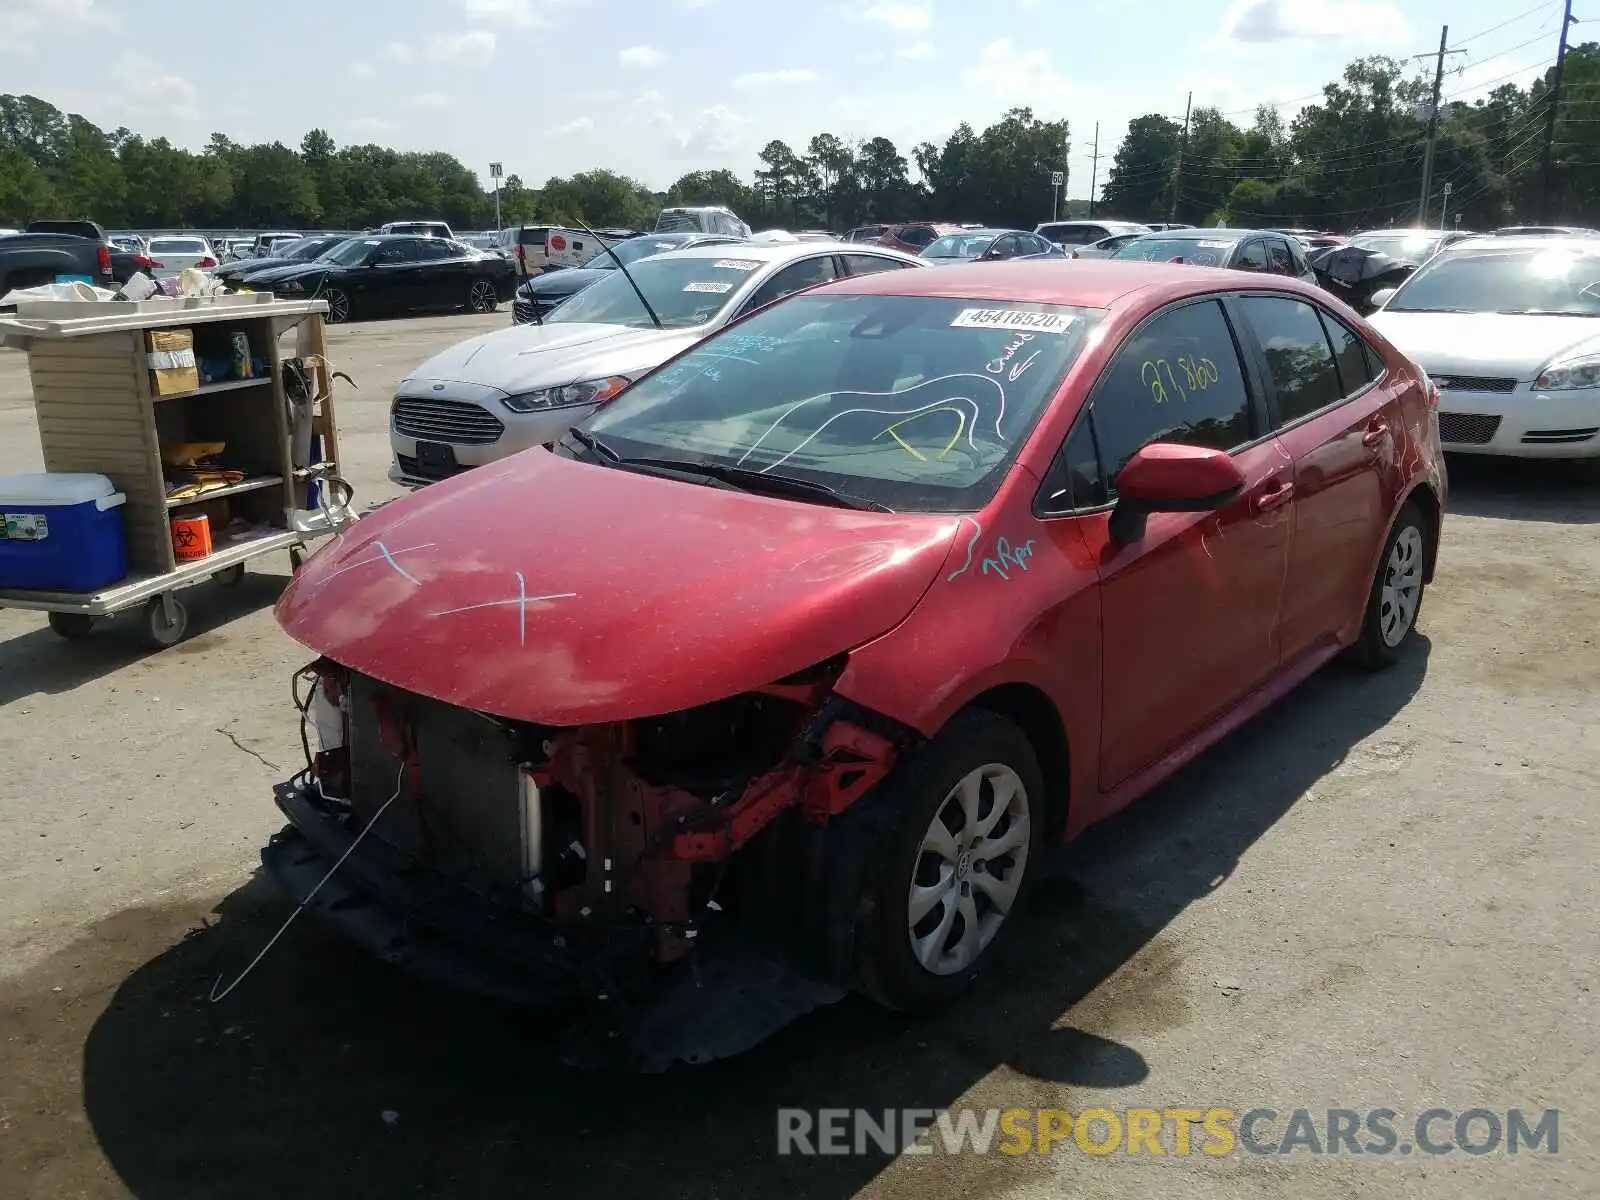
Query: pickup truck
pixel 53 250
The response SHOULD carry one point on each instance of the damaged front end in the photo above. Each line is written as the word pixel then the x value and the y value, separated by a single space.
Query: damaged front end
pixel 675 866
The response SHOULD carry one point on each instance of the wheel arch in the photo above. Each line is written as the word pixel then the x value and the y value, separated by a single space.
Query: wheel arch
pixel 1032 711
pixel 1426 499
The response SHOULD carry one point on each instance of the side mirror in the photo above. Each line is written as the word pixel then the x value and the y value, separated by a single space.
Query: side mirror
pixel 1381 297
pixel 1168 477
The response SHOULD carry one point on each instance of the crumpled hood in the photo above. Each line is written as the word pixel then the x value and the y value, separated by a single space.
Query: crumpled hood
pixel 523 357
pixel 1492 344
pixel 563 593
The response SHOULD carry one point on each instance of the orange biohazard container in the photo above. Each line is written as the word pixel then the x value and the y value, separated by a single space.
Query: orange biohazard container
pixel 191 537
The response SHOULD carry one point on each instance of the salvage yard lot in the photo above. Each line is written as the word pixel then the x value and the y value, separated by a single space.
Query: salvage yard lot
pixel 1380 894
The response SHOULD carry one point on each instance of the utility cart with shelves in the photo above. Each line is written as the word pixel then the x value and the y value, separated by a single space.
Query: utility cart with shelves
pixel 257 456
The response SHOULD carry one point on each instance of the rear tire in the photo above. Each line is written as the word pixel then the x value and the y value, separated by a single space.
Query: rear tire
pixel 949 876
pixel 1395 600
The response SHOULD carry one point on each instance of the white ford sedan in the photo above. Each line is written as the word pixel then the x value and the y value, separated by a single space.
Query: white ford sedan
pixel 1509 329
pixel 525 386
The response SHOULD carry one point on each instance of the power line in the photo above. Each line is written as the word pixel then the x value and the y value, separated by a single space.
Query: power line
pixel 1512 21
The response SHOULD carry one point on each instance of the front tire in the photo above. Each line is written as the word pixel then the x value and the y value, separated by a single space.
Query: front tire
pixel 338 305
pixel 1395 600
pixel 482 297
pixel 954 869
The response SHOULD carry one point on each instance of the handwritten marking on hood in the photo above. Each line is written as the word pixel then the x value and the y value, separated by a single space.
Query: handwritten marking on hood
pixel 384 555
pixel 521 600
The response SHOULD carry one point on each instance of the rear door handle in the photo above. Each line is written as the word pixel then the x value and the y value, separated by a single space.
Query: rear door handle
pixel 1375 433
pixel 1275 497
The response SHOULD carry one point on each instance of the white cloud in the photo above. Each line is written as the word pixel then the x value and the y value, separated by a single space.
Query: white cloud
pixel 715 133
pixel 752 80
pixel 142 88
pixel 362 69
pixel 370 126
pixel 512 14
pixel 903 18
pixel 581 125
pixel 473 48
pixel 430 100
pixel 640 56
pixel 918 50
pixel 25 23
pixel 1373 21
pixel 1009 74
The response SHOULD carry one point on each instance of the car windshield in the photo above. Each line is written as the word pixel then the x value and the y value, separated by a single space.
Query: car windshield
pixel 958 245
pixel 352 253
pixel 683 291
pixel 632 250
pixel 1199 252
pixel 1407 246
pixel 918 403
pixel 177 246
pixel 1557 280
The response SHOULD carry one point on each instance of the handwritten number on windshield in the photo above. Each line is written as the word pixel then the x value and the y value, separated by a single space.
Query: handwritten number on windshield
pixel 1157 374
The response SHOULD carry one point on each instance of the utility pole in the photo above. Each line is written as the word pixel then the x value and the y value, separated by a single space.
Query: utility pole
pixel 1433 125
pixel 1177 167
pixel 1547 188
pixel 1094 168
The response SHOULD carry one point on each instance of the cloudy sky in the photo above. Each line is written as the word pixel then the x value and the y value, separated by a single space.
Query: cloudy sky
pixel 655 88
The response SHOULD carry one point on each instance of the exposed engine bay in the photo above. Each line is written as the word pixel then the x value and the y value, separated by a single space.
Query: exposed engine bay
pixel 598 861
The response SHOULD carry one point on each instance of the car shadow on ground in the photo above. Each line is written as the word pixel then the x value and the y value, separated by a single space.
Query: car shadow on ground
pixel 327 1075
pixel 41 661
pixel 1560 491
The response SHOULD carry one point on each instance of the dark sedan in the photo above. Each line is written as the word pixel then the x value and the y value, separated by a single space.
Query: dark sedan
pixel 989 245
pixel 389 273
pixel 539 295
pixel 287 254
pixel 1237 249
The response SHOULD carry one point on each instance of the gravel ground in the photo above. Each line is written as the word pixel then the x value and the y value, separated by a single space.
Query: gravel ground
pixel 1380 894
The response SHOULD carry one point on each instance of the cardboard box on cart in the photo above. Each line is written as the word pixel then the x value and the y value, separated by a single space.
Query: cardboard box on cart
pixel 172 364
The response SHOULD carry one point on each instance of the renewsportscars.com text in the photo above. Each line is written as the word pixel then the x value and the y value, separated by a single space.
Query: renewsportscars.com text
pixel 1176 1132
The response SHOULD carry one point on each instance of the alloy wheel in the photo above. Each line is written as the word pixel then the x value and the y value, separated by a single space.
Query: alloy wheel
pixel 968 869
pixel 1402 586
pixel 338 306
pixel 482 297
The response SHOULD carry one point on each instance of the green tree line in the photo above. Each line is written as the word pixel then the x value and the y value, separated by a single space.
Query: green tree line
pixel 1353 159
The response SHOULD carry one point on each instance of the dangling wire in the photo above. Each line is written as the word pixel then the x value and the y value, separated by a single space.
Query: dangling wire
pixel 399 786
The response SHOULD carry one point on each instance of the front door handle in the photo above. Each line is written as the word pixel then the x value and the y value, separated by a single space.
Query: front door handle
pixel 1275 497
pixel 1376 432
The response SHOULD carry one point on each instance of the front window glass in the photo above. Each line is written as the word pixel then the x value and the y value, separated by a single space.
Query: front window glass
pixel 958 245
pixel 683 291
pixel 916 402
pixel 1199 252
pixel 1555 281
pixel 634 249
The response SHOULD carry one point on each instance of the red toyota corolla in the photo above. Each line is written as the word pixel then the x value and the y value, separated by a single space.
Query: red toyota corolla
pixel 811 642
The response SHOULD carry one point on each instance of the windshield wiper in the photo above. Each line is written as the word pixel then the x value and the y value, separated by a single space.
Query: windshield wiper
pixel 589 442
pixel 752 480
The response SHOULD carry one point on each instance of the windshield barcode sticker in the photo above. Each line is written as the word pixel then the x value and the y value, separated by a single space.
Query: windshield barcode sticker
pixel 1214 245
pixel 1029 319
pixel 708 285
pixel 735 264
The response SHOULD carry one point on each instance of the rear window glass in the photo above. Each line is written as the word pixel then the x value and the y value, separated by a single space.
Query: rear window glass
pixel 1198 252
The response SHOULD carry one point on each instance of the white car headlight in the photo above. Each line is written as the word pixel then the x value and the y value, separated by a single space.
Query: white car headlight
pixel 1571 374
pixel 573 395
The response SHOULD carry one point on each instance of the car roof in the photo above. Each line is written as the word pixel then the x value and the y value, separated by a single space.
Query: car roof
pixel 1573 243
pixel 1085 283
pixel 777 252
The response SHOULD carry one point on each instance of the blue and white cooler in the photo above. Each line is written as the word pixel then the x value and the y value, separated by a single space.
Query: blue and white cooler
pixel 63 533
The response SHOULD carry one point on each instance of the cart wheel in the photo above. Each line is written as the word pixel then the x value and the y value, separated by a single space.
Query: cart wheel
pixel 160 631
pixel 72 626
pixel 297 558
pixel 230 576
